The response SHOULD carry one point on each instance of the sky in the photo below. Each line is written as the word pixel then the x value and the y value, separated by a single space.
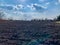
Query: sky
pixel 30 9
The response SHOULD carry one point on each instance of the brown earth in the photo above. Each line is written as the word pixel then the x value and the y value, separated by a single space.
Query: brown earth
pixel 25 32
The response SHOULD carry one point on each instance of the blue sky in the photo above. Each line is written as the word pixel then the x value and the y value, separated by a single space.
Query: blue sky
pixel 30 9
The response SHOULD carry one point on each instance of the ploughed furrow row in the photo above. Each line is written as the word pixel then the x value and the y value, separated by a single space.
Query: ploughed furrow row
pixel 29 33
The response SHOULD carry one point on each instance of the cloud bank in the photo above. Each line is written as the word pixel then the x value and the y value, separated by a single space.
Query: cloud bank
pixel 30 9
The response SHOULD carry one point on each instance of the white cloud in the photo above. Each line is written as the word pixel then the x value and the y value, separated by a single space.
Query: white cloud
pixel 59 1
pixel 41 6
pixel 56 3
pixel 2 4
pixel 47 3
pixel 17 7
pixel 31 7
pixel 18 15
pixel 20 6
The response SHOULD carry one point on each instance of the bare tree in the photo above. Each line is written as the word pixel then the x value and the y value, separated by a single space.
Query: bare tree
pixel 1 15
pixel 58 18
